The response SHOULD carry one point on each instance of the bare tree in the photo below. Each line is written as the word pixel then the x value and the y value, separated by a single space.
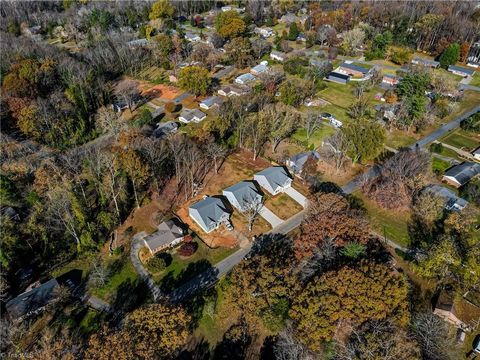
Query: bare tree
pixel 215 152
pixel 311 122
pixel 257 130
pixel 434 337
pixel 127 90
pixel 61 214
pixel 108 121
pixel 319 262
pixel 333 150
pixel 251 206
pixel 98 276
pixel 281 121
pixel 289 348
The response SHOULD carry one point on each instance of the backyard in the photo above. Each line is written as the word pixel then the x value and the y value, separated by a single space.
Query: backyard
pixel 462 140
pixel 282 205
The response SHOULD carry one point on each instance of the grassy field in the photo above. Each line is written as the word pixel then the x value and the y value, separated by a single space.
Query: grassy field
pixel 397 139
pixel 449 153
pixel 122 272
pixel 439 166
pixel 182 269
pixel 461 140
pixel 391 223
pixel 316 138
pixel 476 79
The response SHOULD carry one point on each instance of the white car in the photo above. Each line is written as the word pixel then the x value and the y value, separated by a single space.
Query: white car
pixel 229 226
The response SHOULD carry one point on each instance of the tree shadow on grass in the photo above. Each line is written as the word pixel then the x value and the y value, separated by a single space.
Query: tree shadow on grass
pixel 170 282
pixel 234 344
pixel 130 295
pixel 199 351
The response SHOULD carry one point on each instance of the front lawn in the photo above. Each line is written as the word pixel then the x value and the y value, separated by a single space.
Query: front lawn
pixel 460 140
pixel 282 205
pixel 182 269
pixel 390 223
pixel 439 166
pixel 476 79
pixel 398 139
pixel 315 139
pixel 448 153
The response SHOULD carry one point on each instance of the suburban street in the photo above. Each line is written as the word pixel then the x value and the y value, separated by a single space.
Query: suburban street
pixel 208 278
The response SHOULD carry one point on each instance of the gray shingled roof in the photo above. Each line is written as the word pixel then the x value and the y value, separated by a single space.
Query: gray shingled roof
pixel 355 68
pixel 461 69
pixel 276 176
pixel 209 211
pixel 167 232
pixel 301 158
pixel 463 172
pixel 448 195
pixel 244 191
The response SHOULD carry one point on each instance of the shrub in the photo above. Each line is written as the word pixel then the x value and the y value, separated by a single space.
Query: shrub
pixel 188 239
pixel 187 249
pixel 145 118
pixel 156 264
pixel 400 55
pixel 436 147
pixel 170 107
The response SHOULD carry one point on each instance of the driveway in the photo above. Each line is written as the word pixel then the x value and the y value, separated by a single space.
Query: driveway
pixel 295 195
pixel 268 215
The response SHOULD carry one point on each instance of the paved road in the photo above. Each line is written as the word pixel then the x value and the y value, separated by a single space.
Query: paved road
pixel 210 277
pixel 469 87
pixel 435 135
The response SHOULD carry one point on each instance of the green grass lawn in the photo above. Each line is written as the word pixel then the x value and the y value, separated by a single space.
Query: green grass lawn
pixel 338 94
pixel 460 140
pixel 449 153
pixel 391 223
pixel 476 79
pixel 84 263
pixel 180 270
pixel 122 272
pixel 316 138
pixel 439 166
pixel 397 139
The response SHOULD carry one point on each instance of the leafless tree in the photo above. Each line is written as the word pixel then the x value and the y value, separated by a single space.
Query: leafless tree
pixel 320 261
pixel 215 152
pixel 281 120
pixel 98 276
pixel 311 122
pixel 434 337
pixel 257 130
pixel 251 206
pixel 108 121
pixel 333 150
pixel 127 90
pixel 61 214
pixel 289 348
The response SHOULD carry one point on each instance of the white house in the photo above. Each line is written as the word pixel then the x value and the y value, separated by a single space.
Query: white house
pixel 476 153
pixel 168 234
pixel 192 37
pixel 274 179
pixel 459 175
pixel 211 102
pixel 265 32
pixel 260 68
pixel 278 56
pixel 209 213
pixel 231 90
pixel 242 194
pixel 245 79
pixel 458 70
pixel 189 115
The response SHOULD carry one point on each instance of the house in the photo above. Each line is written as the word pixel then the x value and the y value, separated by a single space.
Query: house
pixel 459 175
pixel 476 153
pixel 245 79
pixel 352 70
pixel 473 58
pixel 425 62
pixel 164 129
pixel 260 68
pixel 452 201
pixel 278 56
pixel 210 102
pixel 226 8
pixel 189 115
pixel 274 179
pixel 210 213
pixel 458 70
pixel 390 80
pixel 242 194
pixel 37 296
pixel 459 312
pixel 168 234
pixel 338 77
pixel 301 37
pixel 296 162
pixel 288 18
pixel 191 37
pixel 265 32
pixel 336 123
pixel 231 90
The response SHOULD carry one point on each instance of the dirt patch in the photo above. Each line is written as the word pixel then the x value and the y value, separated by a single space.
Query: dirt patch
pixel 283 151
pixel 162 91
pixel 217 238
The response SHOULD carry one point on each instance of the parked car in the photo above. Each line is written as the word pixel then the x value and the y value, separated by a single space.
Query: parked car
pixel 327 116
pixel 229 226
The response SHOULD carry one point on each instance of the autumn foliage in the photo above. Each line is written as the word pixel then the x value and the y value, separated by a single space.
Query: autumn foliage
pixel 330 215
pixel 187 249
pixel 349 296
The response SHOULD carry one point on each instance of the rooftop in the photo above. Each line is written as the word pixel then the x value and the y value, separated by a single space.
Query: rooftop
pixel 355 68
pixel 463 172
pixel 461 69
pixel 167 232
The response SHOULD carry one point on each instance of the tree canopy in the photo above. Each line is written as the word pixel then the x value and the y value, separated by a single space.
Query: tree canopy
pixel 194 79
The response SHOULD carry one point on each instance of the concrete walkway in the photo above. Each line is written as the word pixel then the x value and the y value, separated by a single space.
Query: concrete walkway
pixel 295 195
pixel 268 215
pixel 460 152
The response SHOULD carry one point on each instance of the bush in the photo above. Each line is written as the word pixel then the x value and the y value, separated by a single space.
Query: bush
pixel 400 56
pixel 187 249
pixel 156 264
pixel 436 148
pixel 188 239
pixel 471 124
pixel 145 118
pixel 170 107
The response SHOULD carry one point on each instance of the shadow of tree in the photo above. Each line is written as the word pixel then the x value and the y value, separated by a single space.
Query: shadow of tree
pixel 234 344
pixel 130 295
pixel 200 351
pixel 170 282
pixel 325 186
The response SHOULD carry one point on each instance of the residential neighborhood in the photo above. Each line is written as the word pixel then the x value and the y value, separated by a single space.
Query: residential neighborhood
pixel 287 180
